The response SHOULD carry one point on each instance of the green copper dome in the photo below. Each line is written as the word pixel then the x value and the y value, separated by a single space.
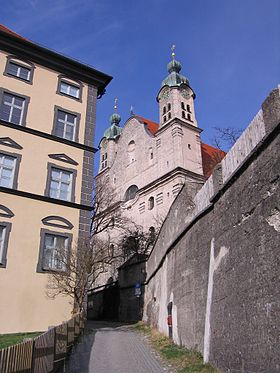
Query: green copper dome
pixel 174 78
pixel 115 119
pixel 174 66
pixel 114 130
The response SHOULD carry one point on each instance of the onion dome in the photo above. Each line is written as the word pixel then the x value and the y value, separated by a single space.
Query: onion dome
pixel 115 119
pixel 174 78
pixel 114 130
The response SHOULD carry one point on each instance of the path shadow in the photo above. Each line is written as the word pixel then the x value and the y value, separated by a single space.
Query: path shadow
pixel 78 361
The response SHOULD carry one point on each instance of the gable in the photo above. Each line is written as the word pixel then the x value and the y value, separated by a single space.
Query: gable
pixel 7 141
pixel 63 158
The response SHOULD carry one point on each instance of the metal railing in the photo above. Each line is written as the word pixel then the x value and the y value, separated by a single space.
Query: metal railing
pixel 45 353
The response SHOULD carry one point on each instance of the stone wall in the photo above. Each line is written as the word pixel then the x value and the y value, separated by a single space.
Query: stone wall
pixel 217 257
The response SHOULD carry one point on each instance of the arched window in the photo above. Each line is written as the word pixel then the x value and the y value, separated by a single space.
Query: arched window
pixel 131 151
pixel 169 115
pixel 164 119
pixel 183 105
pixel 164 110
pixel 189 108
pixel 104 160
pixel 168 106
pixel 19 69
pixel 152 232
pixel 130 193
pixel 183 114
pixel 151 203
pixel 189 117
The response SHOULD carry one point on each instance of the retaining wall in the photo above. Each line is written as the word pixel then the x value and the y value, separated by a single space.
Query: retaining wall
pixel 217 256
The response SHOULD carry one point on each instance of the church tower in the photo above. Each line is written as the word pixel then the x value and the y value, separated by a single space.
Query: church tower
pixel 176 97
pixel 178 133
pixel 108 143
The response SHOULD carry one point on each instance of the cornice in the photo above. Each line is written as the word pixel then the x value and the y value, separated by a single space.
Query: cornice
pixel 48 136
pixel 53 60
pixel 177 121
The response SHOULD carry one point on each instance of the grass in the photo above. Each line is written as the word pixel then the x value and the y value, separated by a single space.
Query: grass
pixel 180 358
pixel 7 340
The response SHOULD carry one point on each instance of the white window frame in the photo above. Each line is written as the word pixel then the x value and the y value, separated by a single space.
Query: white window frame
pixel 65 123
pixel 19 68
pixel 2 167
pixel 13 105
pixel 68 89
pixel 2 242
pixel 53 264
pixel 60 182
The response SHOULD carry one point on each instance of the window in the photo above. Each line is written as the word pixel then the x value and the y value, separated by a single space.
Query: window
pixel 189 108
pixel 18 71
pixel 5 229
pixel 183 105
pixel 7 170
pixel 61 184
pixel 12 108
pixel 151 203
pixel 189 117
pixel 131 192
pixel 183 114
pixel 54 250
pixel 168 106
pixel 164 119
pixel 164 110
pixel 22 70
pixel 9 167
pixel 66 124
pixel 69 89
pixel 131 152
pixel 169 115
pixel 104 161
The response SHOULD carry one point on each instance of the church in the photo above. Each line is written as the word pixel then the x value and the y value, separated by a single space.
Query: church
pixel 147 163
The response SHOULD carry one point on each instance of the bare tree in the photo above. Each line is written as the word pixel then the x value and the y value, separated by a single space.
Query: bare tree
pixel 225 137
pixel 78 269
pixel 135 239
pixel 106 209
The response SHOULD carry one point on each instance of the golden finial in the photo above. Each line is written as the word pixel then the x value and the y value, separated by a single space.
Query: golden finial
pixel 173 49
pixel 115 106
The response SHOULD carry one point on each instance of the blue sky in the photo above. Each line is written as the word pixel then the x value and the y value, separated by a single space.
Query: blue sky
pixel 230 50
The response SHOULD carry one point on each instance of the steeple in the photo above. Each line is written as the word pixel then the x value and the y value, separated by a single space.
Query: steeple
pixel 176 97
pixel 174 67
pixel 114 130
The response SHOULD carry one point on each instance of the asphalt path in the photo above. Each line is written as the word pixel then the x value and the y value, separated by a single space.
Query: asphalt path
pixel 113 348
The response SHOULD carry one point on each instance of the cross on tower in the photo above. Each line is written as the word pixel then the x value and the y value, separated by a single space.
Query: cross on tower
pixel 173 49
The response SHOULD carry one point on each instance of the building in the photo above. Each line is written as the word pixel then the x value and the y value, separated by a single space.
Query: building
pixel 47 121
pixel 146 163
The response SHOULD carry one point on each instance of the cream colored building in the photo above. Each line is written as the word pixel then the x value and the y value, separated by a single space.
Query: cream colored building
pixel 147 163
pixel 47 120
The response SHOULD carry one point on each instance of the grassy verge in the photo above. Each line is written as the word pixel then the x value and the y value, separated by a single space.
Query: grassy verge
pixel 181 359
pixel 7 340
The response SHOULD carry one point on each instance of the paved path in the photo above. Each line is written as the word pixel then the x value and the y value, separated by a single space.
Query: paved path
pixel 112 348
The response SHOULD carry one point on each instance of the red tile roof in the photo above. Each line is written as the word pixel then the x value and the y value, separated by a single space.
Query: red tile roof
pixel 8 31
pixel 210 156
pixel 152 126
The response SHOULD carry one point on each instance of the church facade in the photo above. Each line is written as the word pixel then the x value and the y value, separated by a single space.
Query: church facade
pixel 147 163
